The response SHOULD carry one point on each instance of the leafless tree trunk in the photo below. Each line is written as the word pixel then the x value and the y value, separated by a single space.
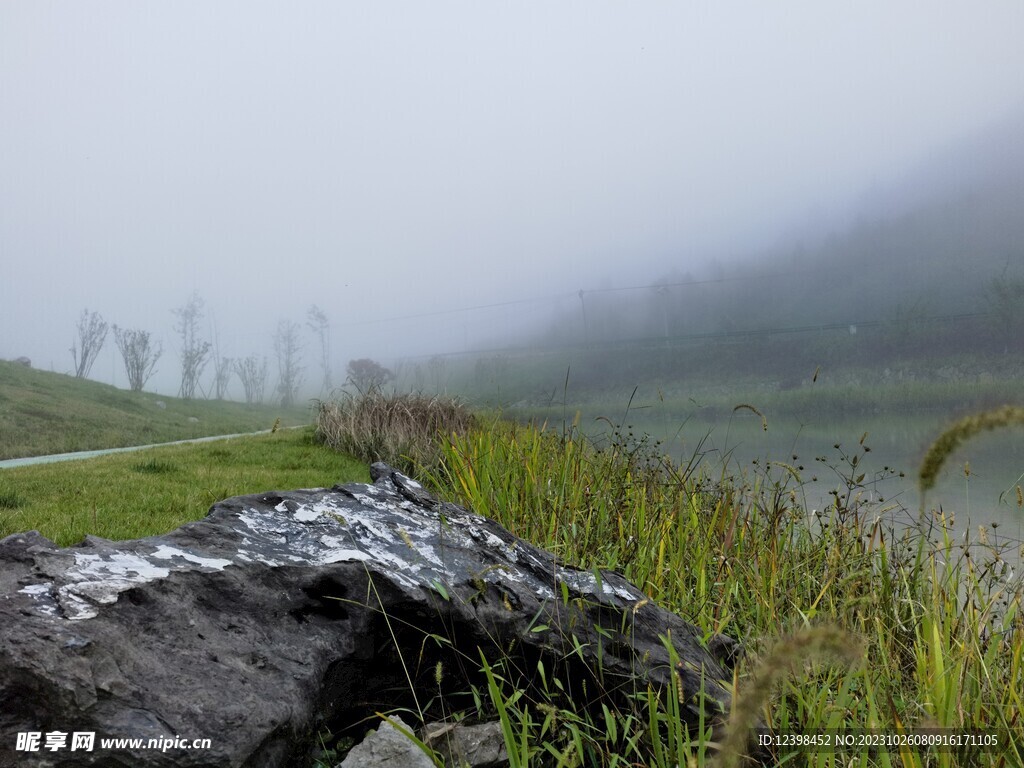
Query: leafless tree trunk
pixel 92 332
pixel 194 352
pixel 222 370
pixel 439 366
pixel 253 374
pixel 320 325
pixel 139 357
pixel 286 345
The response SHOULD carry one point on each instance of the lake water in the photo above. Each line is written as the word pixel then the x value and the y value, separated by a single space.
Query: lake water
pixel 977 485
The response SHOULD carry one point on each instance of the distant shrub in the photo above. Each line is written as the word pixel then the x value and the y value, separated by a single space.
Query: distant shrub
pixel 403 430
pixel 368 376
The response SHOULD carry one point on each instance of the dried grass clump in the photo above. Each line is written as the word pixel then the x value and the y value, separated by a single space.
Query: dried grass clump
pixel 404 430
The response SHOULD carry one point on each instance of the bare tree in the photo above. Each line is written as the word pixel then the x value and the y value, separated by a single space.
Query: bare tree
pixel 438 366
pixel 320 325
pixel 194 352
pixel 1006 309
pixel 289 370
pixel 253 374
pixel 92 332
pixel 223 367
pixel 367 375
pixel 139 357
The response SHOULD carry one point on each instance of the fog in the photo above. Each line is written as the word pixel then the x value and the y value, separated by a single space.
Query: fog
pixel 443 176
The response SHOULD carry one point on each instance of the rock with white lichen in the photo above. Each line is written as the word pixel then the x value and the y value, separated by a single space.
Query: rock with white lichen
pixel 284 614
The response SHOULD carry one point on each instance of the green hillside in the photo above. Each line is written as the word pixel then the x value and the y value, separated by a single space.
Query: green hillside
pixel 43 413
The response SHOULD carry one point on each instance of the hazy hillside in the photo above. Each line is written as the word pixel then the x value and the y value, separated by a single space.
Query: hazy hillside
pixel 927 283
pixel 43 413
pixel 928 245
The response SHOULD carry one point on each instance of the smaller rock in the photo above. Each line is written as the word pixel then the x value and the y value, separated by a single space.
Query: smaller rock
pixel 193 420
pixel 385 747
pixel 160 404
pixel 467 746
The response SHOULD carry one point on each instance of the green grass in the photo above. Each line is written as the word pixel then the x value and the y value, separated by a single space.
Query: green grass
pixel 940 627
pixel 928 629
pixel 853 376
pixel 43 413
pixel 138 494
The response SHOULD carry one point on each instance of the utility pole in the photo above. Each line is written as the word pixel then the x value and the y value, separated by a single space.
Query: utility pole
pixel 586 330
pixel 662 291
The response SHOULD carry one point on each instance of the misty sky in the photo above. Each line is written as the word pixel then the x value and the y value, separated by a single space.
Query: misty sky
pixel 395 160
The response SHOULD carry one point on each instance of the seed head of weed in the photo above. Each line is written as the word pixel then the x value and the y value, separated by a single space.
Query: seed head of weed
pixel 958 433
pixel 810 643
pixel 752 409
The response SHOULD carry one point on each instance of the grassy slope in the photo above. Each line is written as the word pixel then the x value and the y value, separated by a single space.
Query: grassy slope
pixel 43 413
pixel 734 559
pixel 132 495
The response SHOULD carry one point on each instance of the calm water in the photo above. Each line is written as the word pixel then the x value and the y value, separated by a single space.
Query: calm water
pixel 977 485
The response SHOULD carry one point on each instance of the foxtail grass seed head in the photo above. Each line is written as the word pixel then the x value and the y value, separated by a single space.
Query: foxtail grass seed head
pixel 810 643
pixel 961 431
pixel 1020 497
pixel 752 409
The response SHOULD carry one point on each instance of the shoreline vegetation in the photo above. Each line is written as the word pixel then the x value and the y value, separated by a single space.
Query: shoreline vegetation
pixel 848 621
pixel 925 624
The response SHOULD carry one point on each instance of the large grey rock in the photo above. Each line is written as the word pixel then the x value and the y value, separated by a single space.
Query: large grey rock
pixel 282 613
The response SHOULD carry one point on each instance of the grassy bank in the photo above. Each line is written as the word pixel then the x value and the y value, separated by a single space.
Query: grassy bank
pixel 851 373
pixel 132 495
pixel 848 621
pixel 806 400
pixel 926 627
pixel 43 413
pixel 938 626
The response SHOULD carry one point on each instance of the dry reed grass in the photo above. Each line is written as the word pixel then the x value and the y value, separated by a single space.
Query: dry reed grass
pixel 402 430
